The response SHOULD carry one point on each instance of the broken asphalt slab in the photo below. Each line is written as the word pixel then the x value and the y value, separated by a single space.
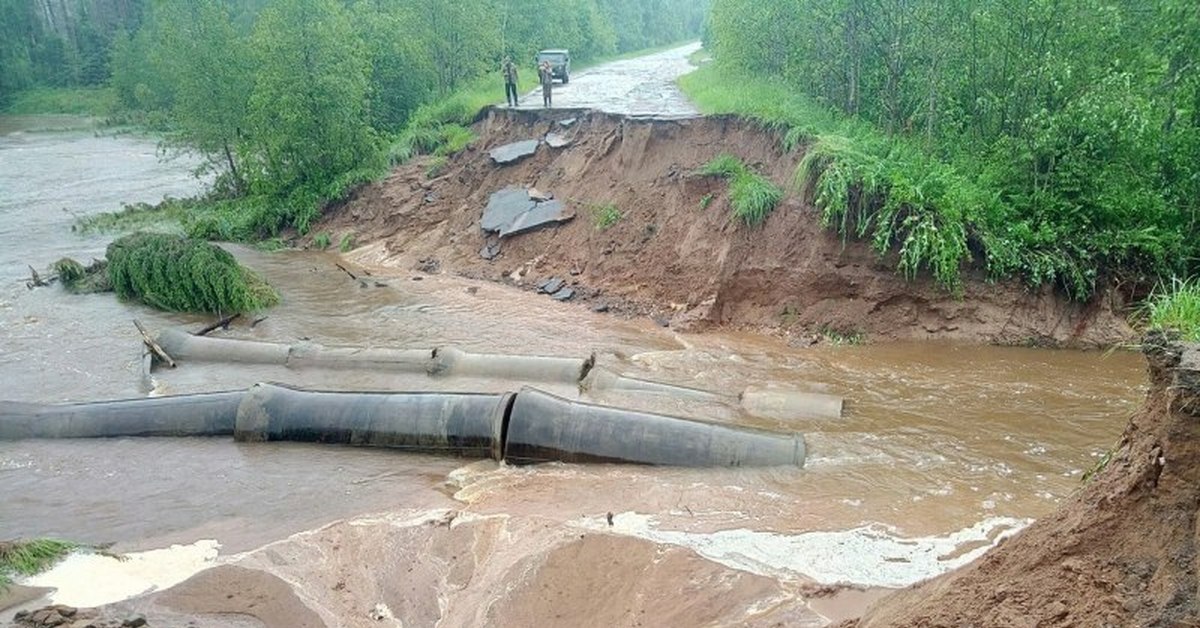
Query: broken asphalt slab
pixel 511 211
pixel 557 140
pixel 552 285
pixel 512 153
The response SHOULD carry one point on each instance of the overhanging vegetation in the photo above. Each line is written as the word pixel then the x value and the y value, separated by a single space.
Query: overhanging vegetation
pixel 945 133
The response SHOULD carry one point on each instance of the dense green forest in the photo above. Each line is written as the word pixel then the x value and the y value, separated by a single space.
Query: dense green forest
pixel 295 101
pixel 1058 140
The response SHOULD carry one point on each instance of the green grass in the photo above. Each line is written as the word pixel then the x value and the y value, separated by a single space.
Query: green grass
pixel 28 558
pixel 80 279
pixel 347 243
pixel 723 165
pixel 1176 307
pixel 867 185
pixel 605 216
pixel 167 216
pixel 81 101
pixel 436 165
pixel 700 57
pixel 441 127
pixel 178 274
pixel 322 240
pixel 752 195
pixel 841 337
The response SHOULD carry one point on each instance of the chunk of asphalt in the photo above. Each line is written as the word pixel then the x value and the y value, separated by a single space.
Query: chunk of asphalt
pixel 552 285
pixel 541 215
pixel 566 294
pixel 490 251
pixel 557 140
pixel 504 206
pixel 566 124
pixel 512 153
pixel 511 211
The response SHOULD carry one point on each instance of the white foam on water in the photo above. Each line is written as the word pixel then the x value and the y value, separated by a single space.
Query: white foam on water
pixel 873 556
pixel 88 580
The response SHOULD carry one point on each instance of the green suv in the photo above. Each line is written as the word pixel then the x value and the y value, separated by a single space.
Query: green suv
pixel 560 63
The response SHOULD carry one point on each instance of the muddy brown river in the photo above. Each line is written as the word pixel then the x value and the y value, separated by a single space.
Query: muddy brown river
pixel 943 449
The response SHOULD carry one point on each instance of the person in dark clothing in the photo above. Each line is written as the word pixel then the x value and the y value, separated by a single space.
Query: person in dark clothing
pixel 510 81
pixel 547 77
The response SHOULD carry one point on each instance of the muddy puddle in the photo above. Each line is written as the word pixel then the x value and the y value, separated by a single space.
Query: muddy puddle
pixel 943 449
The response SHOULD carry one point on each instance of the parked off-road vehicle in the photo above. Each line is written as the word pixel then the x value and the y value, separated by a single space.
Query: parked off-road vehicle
pixel 560 63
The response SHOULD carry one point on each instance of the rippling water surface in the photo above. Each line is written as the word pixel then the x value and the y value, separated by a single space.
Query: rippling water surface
pixel 937 440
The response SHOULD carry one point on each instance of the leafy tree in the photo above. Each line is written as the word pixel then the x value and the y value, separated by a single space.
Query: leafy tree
pixel 212 79
pixel 1076 121
pixel 308 123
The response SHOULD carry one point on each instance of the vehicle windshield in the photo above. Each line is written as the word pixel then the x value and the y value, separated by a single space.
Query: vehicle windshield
pixel 553 57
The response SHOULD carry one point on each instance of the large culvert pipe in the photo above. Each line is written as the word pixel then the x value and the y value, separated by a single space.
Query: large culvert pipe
pixel 451 361
pixel 211 414
pixel 603 379
pixel 459 424
pixel 546 428
pixel 181 345
pixel 790 404
pixel 386 360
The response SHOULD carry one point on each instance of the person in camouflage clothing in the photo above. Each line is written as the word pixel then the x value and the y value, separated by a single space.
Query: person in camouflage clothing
pixel 547 78
pixel 510 81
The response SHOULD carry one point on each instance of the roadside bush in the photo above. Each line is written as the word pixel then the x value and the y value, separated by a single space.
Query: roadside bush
pixel 186 275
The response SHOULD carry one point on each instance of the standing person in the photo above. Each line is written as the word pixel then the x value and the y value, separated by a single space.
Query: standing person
pixel 547 77
pixel 510 81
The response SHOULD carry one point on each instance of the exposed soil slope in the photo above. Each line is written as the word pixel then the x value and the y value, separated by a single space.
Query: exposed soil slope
pixel 1122 552
pixel 669 255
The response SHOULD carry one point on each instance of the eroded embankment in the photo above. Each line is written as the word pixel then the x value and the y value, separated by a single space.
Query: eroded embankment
pixel 1122 552
pixel 673 254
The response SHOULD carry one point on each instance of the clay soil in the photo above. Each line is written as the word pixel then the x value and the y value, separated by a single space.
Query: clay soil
pixel 676 257
pixel 1121 552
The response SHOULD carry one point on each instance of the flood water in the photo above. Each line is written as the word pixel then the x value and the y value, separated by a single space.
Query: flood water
pixel 943 448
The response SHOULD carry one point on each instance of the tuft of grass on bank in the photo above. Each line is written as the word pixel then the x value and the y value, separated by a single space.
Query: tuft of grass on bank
pixel 28 558
pixel 80 101
pixel 605 216
pixel 752 195
pixel 1176 307
pixel 179 274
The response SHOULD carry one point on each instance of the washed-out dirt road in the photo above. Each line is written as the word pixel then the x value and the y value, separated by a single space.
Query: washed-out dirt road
pixel 643 87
